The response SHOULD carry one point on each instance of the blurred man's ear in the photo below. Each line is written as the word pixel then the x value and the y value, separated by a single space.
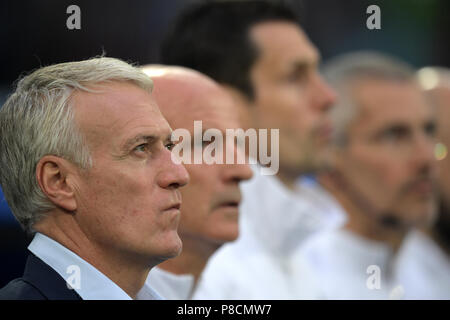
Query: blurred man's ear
pixel 54 176
pixel 242 104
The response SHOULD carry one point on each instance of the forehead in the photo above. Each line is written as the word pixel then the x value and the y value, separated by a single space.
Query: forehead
pixel 282 43
pixel 119 110
pixel 382 102
pixel 216 110
pixel 196 99
pixel 440 97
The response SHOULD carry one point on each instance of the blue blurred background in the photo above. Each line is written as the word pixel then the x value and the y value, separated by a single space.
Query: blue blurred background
pixel 33 33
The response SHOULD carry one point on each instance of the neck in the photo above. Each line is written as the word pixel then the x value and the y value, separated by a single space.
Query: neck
pixel 126 270
pixel 362 222
pixel 359 223
pixel 287 180
pixel 192 259
pixel 242 105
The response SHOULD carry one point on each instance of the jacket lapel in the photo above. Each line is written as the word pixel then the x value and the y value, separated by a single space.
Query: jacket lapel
pixel 47 280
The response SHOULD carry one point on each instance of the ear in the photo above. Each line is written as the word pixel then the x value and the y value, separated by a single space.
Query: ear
pixel 237 95
pixel 243 104
pixel 54 176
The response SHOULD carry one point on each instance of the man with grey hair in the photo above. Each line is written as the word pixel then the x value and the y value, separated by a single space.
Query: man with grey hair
pixel 425 257
pixel 382 172
pixel 86 167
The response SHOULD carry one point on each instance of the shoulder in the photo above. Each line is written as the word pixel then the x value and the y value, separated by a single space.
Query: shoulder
pixel 20 289
pixel 39 281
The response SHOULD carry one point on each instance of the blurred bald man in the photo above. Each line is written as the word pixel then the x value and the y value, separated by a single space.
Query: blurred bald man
pixel 425 258
pixel 210 210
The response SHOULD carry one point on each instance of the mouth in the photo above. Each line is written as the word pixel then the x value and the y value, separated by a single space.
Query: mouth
pixel 229 204
pixel 174 207
pixel 325 132
pixel 228 200
pixel 423 187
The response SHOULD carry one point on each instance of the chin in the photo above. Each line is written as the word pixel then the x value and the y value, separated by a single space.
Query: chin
pixel 226 237
pixel 171 249
pixel 176 249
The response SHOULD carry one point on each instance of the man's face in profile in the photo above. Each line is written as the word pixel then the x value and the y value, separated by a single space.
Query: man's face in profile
pixel 389 156
pixel 290 94
pixel 210 206
pixel 129 199
pixel 441 99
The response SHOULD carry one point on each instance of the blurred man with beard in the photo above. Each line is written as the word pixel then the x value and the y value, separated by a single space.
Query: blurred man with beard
pixel 257 51
pixel 425 256
pixel 382 172
pixel 209 216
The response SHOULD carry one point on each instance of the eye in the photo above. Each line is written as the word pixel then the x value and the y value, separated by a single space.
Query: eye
pixel 296 76
pixel 141 148
pixel 430 129
pixel 396 133
pixel 169 146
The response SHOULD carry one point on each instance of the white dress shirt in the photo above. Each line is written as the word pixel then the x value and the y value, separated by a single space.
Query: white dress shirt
pixel 169 285
pixel 424 268
pixel 273 222
pixel 85 279
pixel 345 266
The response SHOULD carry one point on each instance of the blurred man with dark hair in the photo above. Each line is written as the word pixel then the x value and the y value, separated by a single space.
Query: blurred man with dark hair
pixel 382 172
pixel 259 53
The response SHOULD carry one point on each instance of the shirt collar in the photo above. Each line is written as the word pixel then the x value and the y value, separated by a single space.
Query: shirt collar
pixel 169 285
pixel 420 247
pixel 285 216
pixel 91 283
pixel 330 210
pixel 354 250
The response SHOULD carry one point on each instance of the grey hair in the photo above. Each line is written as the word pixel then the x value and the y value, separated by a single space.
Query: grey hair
pixel 37 120
pixel 344 71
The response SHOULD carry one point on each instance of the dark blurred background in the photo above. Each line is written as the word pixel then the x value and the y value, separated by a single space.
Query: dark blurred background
pixel 33 33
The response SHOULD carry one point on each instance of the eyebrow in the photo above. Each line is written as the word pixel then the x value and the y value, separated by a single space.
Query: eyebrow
pixel 300 65
pixel 402 126
pixel 304 65
pixel 398 126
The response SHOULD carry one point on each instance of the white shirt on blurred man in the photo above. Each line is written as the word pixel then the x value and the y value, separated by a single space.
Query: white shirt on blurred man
pixel 274 221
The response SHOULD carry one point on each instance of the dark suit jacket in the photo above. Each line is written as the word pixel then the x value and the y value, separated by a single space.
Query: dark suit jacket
pixel 39 282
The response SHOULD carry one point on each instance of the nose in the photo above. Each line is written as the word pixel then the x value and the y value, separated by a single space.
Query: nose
pixel 324 96
pixel 173 175
pixel 424 158
pixel 237 172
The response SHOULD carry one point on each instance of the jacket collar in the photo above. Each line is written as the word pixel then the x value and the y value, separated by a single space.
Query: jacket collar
pixel 47 280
